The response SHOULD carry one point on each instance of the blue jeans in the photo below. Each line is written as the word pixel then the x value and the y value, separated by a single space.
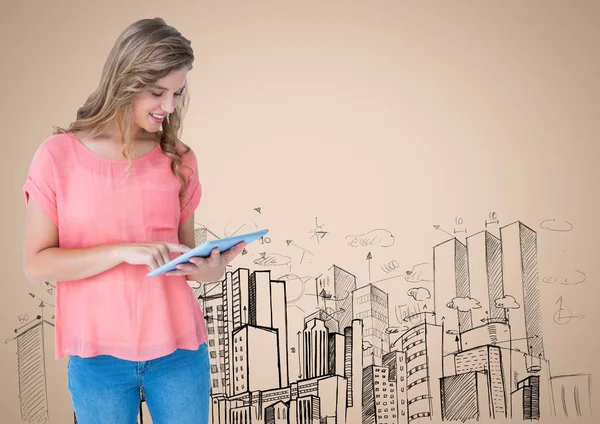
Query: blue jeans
pixel 176 387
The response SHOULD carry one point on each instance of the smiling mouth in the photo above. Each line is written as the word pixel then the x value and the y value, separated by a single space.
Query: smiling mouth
pixel 157 118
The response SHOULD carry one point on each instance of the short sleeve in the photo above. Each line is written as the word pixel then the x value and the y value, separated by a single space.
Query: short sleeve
pixel 40 184
pixel 192 196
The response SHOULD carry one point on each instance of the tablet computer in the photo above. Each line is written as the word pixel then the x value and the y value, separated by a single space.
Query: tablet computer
pixel 203 250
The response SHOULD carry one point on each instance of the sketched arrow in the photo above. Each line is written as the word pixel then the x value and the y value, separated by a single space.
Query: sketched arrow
pixel 304 251
pixel 369 257
pixel 257 210
pixel 299 354
pixel 439 228
pixel 42 302
pixel 291 243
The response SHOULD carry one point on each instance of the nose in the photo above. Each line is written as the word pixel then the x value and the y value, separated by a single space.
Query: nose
pixel 169 104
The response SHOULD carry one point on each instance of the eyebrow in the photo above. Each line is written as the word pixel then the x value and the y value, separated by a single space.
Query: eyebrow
pixel 160 87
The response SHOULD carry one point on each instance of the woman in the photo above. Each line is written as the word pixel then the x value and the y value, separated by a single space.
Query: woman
pixel 109 198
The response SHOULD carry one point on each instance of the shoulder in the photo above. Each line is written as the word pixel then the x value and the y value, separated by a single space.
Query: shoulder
pixel 53 150
pixel 56 146
pixel 187 154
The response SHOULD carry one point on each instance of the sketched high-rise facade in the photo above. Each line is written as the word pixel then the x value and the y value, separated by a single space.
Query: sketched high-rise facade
pixel 521 281
pixel 334 294
pixel 451 279
pixel 370 304
pixel 31 369
pixel 422 347
pixel 212 306
pixel 256 301
pixel 379 403
pixel 485 276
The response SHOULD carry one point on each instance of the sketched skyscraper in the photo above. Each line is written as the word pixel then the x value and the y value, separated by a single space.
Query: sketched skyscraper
pixel 521 281
pixel 32 372
pixel 315 349
pixel 370 304
pixel 212 305
pixel 334 291
pixel 485 276
pixel 257 301
pixel 451 279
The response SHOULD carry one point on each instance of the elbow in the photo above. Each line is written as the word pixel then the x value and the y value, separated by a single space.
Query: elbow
pixel 33 273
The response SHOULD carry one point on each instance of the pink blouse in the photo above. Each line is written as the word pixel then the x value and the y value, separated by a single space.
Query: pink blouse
pixel 93 201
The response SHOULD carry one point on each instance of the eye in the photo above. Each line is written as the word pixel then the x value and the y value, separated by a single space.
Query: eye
pixel 157 94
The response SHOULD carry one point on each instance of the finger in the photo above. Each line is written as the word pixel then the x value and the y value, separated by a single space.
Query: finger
pixel 164 252
pixel 187 268
pixel 178 248
pixel 239 247
pixel 198 261
pixel 152 264
pixel 215 255
pixel 234 251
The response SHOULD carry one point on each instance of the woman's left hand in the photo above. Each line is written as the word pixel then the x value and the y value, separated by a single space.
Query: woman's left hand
pixel 211 268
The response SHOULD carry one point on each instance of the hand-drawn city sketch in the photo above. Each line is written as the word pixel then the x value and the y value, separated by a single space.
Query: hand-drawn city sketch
pixel 463 343
pixel 476 352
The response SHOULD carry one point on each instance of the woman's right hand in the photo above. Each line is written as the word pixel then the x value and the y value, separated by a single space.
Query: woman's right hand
pixel 153 255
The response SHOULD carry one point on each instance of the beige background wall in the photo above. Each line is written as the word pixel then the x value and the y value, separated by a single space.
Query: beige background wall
pixel 354 116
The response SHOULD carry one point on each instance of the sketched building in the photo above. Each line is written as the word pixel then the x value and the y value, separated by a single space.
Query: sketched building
pixel 31 368
pixel 257 301
pixel 422 347
pixel 379 403
pixel 278 413
pixel 488 361
pixel 370 304
pixel 521 281
pixel 451 279
pixel 395 361
pixel 319 400
pixel 315 349
pixel 485 276
pixel 334 291
pixel 464 397
pixel 572 395
pixel 268 309
pixel 212 305
pixel 253 347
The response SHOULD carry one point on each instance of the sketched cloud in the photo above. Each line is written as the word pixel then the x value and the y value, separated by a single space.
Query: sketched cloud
pixel 418 273
pixel 366 345
pixel 574 277
pixel 375 237
pixel 272 259
pixel 554 225
pixel 464 304
pixel 507 302
pixel 419 293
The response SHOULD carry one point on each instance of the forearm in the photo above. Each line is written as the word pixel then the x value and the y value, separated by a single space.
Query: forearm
pixel 60 264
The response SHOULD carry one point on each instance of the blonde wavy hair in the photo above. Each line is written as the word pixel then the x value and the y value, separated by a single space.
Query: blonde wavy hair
pixel 146 51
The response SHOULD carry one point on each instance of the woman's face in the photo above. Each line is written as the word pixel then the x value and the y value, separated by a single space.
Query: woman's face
pixel 160 100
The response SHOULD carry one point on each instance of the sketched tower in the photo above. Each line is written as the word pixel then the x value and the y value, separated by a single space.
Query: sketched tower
pixel 451 279
pixel 521 280
pixel 31 368
pixel 254 300
pixel 370 304
pixel 485 276
pixel 334 291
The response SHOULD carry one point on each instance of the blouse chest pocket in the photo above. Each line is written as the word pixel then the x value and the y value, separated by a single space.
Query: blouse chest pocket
pixel 160 204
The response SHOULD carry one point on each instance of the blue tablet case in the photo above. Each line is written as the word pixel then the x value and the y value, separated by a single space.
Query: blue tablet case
pixel 204 250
